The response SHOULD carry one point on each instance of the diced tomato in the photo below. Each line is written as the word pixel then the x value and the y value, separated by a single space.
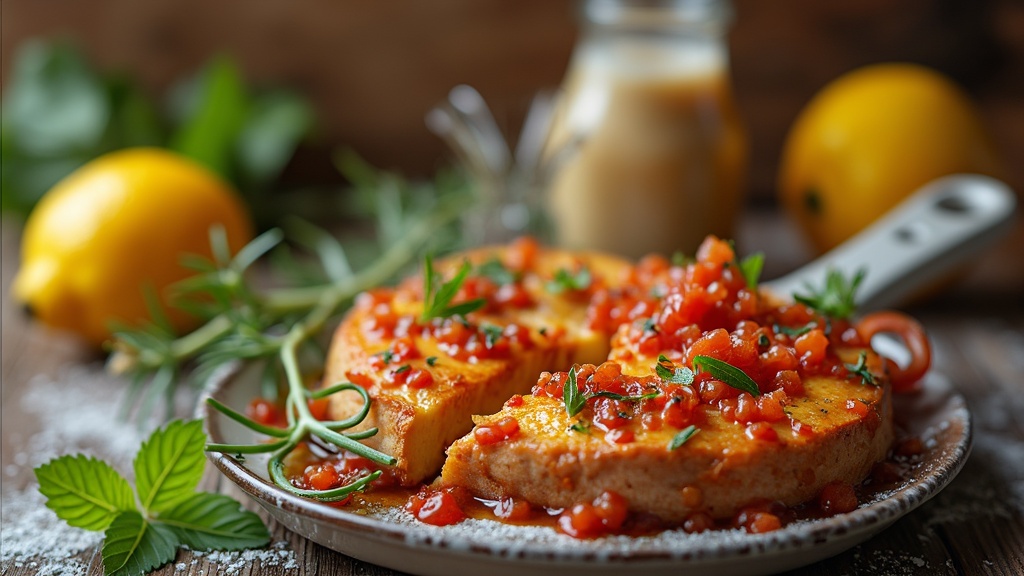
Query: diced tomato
pixel 837 498
pixel 436 507
pixel 503 429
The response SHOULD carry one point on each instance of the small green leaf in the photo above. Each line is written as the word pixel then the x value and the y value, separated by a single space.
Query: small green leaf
pixel 214 521
pixel 567 281
pixel 580 428
pixel 837 299
pixel 436 305
pixel 621 398
pixel 494 270
pixel 84 492
pixel 169 465
pixel 574 401
pixel 683 435
pixel 727 373
pixel 492 334
pixel 794 332
pixel 861 369
pixel 751 267
pixel 668 372
pixel 431 360
pixel 275 125
pixel 133 546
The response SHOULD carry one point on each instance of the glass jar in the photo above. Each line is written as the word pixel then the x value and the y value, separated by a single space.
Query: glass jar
pixel 648 152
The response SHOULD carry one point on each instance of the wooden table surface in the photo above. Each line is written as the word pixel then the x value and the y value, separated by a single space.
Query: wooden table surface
pixel 975 526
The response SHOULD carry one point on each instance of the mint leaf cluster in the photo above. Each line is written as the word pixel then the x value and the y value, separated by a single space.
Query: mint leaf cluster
pixel 143 534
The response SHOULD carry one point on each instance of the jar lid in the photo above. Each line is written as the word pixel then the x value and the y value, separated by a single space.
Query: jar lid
pixel 657 13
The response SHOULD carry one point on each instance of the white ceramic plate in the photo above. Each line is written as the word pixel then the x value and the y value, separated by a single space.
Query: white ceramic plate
pixel 391 538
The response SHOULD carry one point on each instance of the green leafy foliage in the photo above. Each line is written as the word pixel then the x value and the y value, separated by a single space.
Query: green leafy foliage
pixel 133 545
pixel 494 270
pixel 214 521
pixel 861 369
pixel 572 397
pixel 89 494
pixel 837 298
pixel 683 435
pixel 566 281
pixel 727 373
pixel 671 373
pixel 59 112
pixel 168 467
pixel 84 492
pixel 437 300
pixel 751 267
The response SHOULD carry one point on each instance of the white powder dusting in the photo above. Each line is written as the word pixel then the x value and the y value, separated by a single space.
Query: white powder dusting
pixel 84 420
pixel 33 536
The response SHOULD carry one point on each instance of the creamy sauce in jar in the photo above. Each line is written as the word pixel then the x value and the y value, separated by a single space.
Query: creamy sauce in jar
pixel 654 153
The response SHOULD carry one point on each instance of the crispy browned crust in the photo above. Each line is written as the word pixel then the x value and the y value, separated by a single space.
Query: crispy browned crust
pixel 549 465
pixel 416 426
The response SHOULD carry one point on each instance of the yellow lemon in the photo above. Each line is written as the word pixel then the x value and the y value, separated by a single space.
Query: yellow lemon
pixel 871 138
pixel 115 226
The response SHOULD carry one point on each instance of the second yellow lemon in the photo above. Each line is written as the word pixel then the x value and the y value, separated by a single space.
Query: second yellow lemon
pixel 871 138
pixel 118 224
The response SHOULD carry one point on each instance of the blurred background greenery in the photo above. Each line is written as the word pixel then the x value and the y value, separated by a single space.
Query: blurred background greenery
pixel 265 92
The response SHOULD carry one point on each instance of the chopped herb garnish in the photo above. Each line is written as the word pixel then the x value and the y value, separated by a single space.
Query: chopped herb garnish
pixel 574 401
pixel 727 373
pixel 492 334
pixel 794 332
pixel 565 280
pixel 431 360
pixel 679 259
pixel 386 355
pixel 837 298
pixel 751 267
pixel 543 331
pixel 861 369
pixel 683 435
pixel 622 398
pixel 581 427
pixel 672 374
pixel 436 304
pixel 650 326
pixel 403 368
pixel 494 270
pixel 763 341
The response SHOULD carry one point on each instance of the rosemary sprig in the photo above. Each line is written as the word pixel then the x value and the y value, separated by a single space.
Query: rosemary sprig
pixel 437 302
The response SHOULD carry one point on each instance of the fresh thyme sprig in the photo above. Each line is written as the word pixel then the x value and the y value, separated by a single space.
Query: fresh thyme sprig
pixel 437 301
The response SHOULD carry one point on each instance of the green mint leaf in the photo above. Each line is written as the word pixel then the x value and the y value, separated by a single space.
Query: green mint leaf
pixel 861 369
pixel 683 435
pixel 751 267
pixel 794 332
pixel 169 465
pixel 837 299
pixel 571 396
pixel 672 374
pixel 84 492
pixel 133 546
pixel 214 521
pixel 727 373
pixel 495 271
pixel 567 281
